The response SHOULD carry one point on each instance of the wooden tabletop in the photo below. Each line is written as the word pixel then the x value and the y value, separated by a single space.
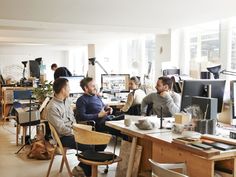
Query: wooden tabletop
pixel 133 130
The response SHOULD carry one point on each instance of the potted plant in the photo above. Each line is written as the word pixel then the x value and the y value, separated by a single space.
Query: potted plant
pixel 43 91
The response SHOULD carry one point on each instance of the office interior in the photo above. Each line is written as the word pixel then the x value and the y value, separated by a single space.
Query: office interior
pixel 112 41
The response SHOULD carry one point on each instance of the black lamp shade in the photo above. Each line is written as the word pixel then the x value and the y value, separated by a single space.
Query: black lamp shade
pixel 215 71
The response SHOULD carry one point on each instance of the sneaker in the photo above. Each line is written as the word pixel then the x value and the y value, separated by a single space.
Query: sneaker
pixel 78 172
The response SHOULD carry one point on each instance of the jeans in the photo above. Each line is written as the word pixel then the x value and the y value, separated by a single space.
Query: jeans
pixel 69 141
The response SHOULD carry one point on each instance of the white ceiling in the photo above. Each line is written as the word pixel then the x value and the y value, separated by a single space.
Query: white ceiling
pixel 73 22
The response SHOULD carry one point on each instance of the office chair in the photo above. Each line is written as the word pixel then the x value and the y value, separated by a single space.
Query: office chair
pixel 162 170
pixel 84 135
pixel 135 110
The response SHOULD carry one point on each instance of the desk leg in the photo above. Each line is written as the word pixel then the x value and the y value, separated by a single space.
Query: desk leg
pixel 234 170
pixel 131 158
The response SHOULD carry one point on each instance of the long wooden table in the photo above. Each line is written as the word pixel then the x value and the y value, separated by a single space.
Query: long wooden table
pixel 138 138
pixel 165 151
pixel 157 144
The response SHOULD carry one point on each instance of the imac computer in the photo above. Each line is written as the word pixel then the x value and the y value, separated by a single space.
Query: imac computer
pixel 203 88
pixel 74 83
pixel 115 83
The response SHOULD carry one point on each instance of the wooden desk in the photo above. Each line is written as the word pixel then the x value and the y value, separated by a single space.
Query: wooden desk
pixel 7 98
pixel 164 151
pixel 138 138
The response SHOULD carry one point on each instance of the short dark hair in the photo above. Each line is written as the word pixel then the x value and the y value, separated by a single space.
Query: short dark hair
pixel 166 81
pixel 58 84
pixel 54 65
pixel 84 82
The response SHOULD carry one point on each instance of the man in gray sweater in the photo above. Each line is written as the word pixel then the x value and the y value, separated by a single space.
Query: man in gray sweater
pixel 59 113
pixel 164 99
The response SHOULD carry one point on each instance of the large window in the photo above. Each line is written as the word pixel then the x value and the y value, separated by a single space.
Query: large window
pixel 204 42
pixel 233 52
pixel 204 47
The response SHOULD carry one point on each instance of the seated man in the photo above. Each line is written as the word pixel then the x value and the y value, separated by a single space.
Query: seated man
pixel 166 99
pixel 60 115
pixel 90 107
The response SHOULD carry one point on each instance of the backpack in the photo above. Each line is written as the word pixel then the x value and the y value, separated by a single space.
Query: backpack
pixel 41 150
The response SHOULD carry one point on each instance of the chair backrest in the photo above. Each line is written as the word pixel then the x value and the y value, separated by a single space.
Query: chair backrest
pixel 149 109
pixel 84 135
pixel 135 110
pixel 56 137
pixel 162 170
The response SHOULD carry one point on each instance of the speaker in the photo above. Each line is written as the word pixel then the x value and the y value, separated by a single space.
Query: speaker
pixel 205 75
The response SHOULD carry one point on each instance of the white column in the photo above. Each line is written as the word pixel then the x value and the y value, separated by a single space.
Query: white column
pixel 91 67
pixel 225 44
pixel 163 53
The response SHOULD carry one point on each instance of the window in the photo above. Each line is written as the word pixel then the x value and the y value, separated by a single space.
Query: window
pixel 204 42
pixel 233 52
pixel 204 46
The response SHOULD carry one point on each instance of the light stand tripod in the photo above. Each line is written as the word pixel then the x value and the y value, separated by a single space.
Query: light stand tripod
pixel 26 95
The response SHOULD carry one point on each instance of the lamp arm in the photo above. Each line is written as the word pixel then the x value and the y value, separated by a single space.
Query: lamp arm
pixel 105 71
pixel 232 73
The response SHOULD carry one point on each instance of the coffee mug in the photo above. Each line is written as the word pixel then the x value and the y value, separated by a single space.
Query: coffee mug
pixel 127 122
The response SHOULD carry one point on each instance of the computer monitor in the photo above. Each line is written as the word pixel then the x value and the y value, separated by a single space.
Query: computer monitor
pixel 200 88
pixel 167 72
pixel 115 83
pixel 233 97
pixel 74 83
pixel 34 68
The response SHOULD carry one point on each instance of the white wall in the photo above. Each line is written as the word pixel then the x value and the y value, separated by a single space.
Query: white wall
pixel 11 57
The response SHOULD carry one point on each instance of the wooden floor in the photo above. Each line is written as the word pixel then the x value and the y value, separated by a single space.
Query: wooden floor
pixel 12 165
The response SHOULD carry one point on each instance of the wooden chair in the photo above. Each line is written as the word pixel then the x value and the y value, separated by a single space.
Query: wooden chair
pixel 84 135
pixel 62 151
pixel 162 170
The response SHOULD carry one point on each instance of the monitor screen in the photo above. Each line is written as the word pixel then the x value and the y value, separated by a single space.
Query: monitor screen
pixel 74 83
pixel 200 88
pixel 34 68
pixel 233 97
pixel 167 72
pixel 115 83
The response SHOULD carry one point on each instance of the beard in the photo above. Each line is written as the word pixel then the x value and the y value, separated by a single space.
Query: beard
pixel 92 93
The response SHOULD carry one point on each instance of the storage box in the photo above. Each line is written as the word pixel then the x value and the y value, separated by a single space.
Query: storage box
pixel 182 118
pixel 23 116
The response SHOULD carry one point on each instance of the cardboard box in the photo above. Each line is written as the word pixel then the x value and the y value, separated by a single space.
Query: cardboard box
pixel 181 118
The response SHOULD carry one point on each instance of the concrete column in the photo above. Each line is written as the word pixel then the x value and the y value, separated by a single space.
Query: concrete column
pixel 225 44
pixel 91 66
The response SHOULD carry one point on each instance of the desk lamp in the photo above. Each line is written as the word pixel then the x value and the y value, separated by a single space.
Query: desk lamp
pixel 215 70
pixel 92 61
pixel 23 75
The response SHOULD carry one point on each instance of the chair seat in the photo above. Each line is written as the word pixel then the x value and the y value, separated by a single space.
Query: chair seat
pixel 91 162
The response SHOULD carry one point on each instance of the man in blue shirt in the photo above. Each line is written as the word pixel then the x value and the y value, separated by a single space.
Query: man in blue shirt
pixel 90 107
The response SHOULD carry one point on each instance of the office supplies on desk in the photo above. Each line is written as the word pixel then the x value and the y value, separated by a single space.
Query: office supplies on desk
pixel 201 145
pixel 220 146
